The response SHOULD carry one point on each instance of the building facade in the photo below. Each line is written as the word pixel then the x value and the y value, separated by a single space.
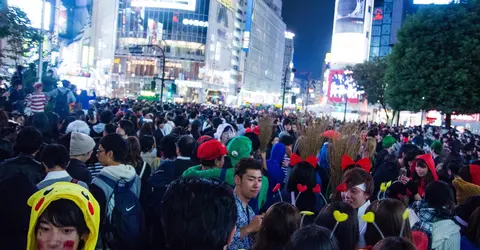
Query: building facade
pixel 264 45
pixel 351 32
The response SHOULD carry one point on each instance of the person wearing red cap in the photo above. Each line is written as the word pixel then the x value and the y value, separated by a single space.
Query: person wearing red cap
pixel 211 155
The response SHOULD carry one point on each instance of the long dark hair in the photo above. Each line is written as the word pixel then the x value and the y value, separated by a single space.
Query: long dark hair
pixel 347 232
pixel 427 179
pixel 303 173
pixel 133 152
pixel 389 218
pixel 281 221
pixel 65 213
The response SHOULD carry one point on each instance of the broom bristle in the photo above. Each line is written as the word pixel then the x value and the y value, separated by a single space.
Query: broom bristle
pixel 347 143
pixel 266 130
pixel 312 138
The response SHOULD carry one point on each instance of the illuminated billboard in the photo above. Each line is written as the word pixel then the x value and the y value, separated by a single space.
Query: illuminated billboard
pixel 166 4
pixel 433 1
pixel 33 10
pixel 350 40
pixel 248 26
pixel 340 84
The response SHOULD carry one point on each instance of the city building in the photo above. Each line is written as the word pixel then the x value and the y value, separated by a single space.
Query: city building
pixel 351 32
pixel 275 5
pixel 288 75
pixel 263 45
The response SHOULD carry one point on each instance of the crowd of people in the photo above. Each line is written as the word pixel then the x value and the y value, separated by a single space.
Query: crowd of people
pixel 124 174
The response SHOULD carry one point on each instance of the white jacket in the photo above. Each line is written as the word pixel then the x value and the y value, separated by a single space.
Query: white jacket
pixel 446 235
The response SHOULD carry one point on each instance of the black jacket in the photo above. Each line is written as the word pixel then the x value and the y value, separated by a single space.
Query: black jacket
pixel 78 170
pixel 25 164
pixel 387 171
pixel 180 165
pixel 14 211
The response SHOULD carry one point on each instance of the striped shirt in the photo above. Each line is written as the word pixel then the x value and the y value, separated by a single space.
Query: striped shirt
pixel 36 102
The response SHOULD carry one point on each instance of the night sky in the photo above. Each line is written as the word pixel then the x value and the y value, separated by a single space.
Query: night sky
pixel 312 23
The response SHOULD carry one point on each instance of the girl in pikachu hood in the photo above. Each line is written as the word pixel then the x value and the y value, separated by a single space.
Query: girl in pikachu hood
pixel 64 216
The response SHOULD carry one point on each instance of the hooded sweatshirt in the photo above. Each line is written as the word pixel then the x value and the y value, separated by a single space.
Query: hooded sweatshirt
pixel 69 191
pixel 229 179
pixel 101 190
pixel 427 158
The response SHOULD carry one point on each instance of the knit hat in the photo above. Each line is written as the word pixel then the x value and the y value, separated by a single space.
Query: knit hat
pixel 78 126
pixel 81 144
pixel 436 147
pixel 388 141
pixel 68 191
pixel 239 148
pixel 465 190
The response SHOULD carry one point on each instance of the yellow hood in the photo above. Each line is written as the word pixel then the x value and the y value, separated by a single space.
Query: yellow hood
pixel 69 191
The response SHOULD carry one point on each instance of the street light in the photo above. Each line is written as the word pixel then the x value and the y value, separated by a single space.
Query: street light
pixel 138 48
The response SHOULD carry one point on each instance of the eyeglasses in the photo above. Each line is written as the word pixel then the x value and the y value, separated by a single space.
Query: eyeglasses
pixel 100 151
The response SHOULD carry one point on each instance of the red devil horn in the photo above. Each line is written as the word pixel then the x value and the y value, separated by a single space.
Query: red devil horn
pixel 346 161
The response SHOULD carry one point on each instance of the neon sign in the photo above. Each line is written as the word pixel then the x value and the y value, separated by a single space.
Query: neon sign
pixel 378 14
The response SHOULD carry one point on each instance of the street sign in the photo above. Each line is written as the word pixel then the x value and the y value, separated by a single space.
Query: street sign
pixel 136 50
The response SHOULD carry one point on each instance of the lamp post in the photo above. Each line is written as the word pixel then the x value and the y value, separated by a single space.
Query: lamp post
pixel 135 50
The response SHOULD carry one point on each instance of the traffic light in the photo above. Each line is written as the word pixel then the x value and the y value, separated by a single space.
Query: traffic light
pixel 154 85
pixel 172 89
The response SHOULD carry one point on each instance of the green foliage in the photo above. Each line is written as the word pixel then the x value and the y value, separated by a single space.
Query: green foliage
pixel 436 64
pixel 370 78
pixel 20 36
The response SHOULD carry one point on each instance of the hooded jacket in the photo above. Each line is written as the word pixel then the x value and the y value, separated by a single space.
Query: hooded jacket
pixel 427 158
pixel 101 190
pixel 70 191
pixel 229 179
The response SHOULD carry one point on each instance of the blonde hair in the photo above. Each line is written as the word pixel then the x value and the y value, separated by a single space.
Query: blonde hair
pixel 370 147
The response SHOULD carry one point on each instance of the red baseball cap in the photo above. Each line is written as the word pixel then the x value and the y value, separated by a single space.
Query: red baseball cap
pixel 211 150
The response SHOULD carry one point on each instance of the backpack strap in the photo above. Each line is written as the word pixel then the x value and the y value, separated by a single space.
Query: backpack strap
pixel 143 169
pixel 74 181
pixel 223 173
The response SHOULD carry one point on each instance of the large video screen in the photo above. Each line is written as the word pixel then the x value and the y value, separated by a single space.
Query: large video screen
pixel 340 84
pixel 166 4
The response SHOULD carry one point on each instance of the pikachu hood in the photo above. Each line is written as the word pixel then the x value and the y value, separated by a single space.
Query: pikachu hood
pixel 70 191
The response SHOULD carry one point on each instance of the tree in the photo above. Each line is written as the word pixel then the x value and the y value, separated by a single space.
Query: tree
pixel 436 63
pixel 370 78
pixel 20 37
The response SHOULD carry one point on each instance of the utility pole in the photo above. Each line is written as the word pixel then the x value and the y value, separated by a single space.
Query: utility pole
pixel 308 90
pixel 40 55
pixel 287 70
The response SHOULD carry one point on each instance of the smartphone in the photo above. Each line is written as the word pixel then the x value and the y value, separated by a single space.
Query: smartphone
pixel 403 172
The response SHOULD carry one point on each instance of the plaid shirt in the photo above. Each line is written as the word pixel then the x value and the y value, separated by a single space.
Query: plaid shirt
pixel 427 217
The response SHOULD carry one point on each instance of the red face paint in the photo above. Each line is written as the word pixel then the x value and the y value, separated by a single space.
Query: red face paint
pixel 40 245
pixel 68 245
pixel 39 204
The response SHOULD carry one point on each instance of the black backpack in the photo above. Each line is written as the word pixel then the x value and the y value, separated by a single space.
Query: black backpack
pixel 61 103
pixel 125 228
